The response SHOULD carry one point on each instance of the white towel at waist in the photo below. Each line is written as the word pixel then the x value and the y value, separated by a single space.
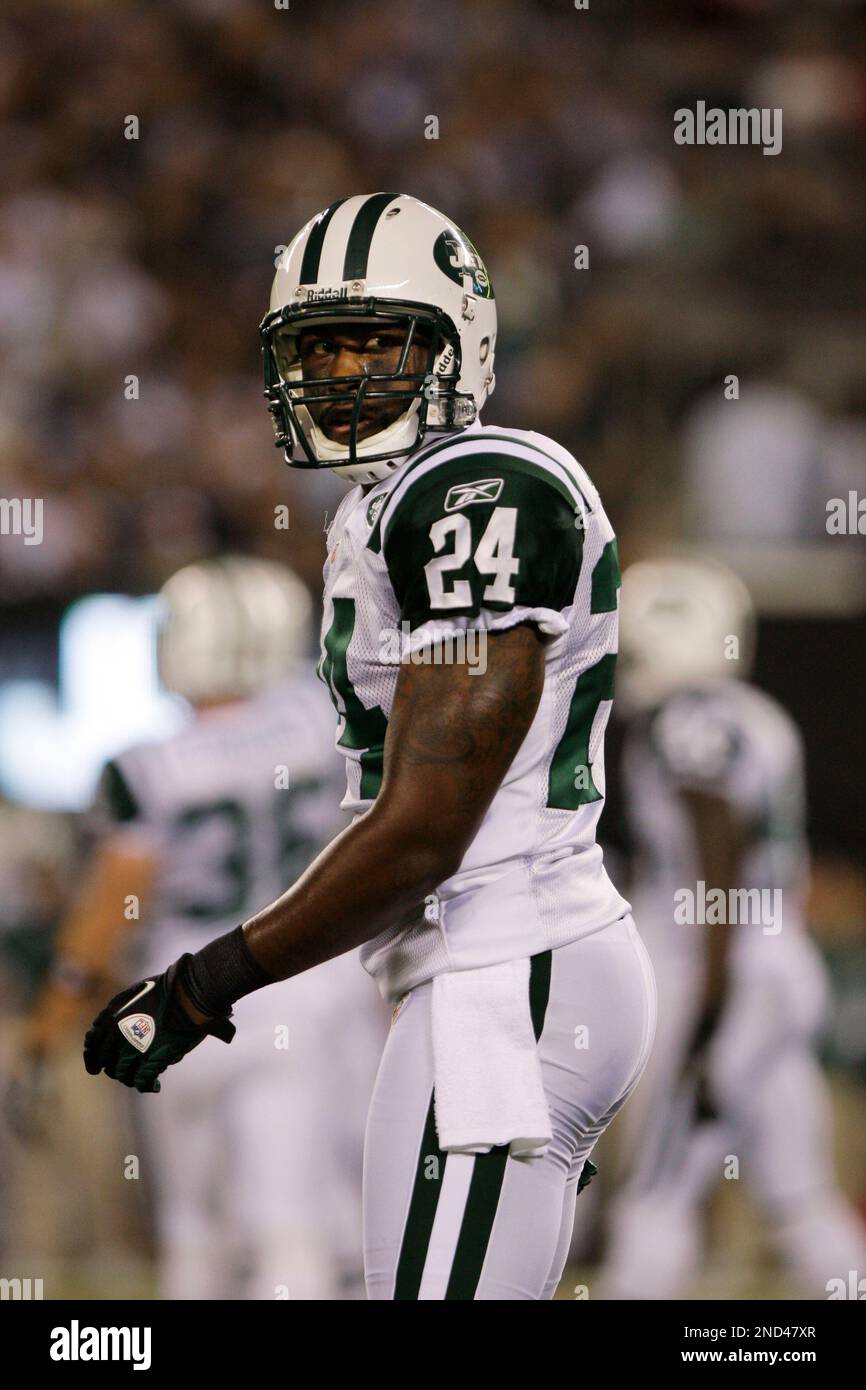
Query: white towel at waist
pixel 486 1068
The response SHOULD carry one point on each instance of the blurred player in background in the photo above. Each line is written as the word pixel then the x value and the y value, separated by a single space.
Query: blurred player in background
pixel 256 1152
pixel 715 797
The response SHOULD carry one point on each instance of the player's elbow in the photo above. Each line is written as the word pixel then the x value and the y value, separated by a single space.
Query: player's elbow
pixel 433 861
pixel 427 854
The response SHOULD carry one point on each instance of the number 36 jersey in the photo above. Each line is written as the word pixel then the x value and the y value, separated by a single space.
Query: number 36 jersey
pixel 474 534
pixel 234 806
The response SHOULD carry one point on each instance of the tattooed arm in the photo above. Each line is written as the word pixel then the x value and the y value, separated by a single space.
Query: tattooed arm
pixel 451 738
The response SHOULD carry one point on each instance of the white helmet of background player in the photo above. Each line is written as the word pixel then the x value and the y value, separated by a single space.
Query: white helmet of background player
pixel 391 260
pixel 677 618
pixel 231 627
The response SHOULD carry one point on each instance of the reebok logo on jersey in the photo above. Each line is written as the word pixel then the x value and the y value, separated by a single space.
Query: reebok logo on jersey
pixel 464 494
pixel 138 1029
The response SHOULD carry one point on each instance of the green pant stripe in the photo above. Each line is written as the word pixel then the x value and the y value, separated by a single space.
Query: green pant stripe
pixel 539 988
pixel 488 1173
pixel 422 1211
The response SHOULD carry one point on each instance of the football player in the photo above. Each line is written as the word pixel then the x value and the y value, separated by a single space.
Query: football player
pixel 468 642
pixel 714 794
pixel 253 1193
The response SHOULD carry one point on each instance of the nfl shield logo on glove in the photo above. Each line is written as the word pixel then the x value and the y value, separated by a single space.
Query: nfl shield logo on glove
pixel 138 1029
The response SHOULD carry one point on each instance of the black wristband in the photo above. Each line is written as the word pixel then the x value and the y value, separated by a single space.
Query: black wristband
pixel 222 972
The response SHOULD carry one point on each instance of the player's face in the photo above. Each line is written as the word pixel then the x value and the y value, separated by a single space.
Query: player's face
pixel 360 349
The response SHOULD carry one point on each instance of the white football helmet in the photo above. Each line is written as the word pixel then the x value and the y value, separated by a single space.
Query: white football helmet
pixel 231 627
pixel 389 259
pixel 677 618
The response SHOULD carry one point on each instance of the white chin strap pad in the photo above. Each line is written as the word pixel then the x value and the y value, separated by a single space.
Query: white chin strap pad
pixel 401 432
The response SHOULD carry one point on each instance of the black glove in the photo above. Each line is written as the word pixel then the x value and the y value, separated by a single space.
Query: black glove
pixel 145 1029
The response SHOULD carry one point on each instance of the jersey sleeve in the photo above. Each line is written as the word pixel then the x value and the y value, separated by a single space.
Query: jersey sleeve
pixel 490 543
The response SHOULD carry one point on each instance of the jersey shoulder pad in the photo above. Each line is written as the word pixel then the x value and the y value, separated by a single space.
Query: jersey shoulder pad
pixel 493 529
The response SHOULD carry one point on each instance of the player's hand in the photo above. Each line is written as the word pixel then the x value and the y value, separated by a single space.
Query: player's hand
pixel 145 1029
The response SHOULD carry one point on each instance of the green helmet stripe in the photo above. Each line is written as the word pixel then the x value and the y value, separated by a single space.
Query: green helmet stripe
pixel 313 248
pixel 361 235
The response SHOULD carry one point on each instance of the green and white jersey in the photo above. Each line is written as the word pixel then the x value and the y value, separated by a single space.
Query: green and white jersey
pixel 732 741
pixel 475 533
pixel 234 806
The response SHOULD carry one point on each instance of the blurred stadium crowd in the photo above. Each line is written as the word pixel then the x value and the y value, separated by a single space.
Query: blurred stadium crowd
pixel 151 258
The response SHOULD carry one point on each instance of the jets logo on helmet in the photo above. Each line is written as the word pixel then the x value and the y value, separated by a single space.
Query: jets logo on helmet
pixel 457 257
pixel 377 264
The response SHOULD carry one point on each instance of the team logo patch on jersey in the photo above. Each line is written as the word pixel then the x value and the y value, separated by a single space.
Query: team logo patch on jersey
pixel 464 494
pixel 375 507
pixel 138 1029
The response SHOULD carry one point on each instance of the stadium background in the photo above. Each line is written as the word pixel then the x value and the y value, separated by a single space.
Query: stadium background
pixel 152 257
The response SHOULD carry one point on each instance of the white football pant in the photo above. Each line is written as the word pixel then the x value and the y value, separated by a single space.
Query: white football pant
pixel 488 1226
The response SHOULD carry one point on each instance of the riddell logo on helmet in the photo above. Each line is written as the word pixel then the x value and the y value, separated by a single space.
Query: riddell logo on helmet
pixel 340 296
pixel 445 360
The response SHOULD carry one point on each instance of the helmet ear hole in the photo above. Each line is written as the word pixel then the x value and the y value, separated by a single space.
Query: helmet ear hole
pixel 484 350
